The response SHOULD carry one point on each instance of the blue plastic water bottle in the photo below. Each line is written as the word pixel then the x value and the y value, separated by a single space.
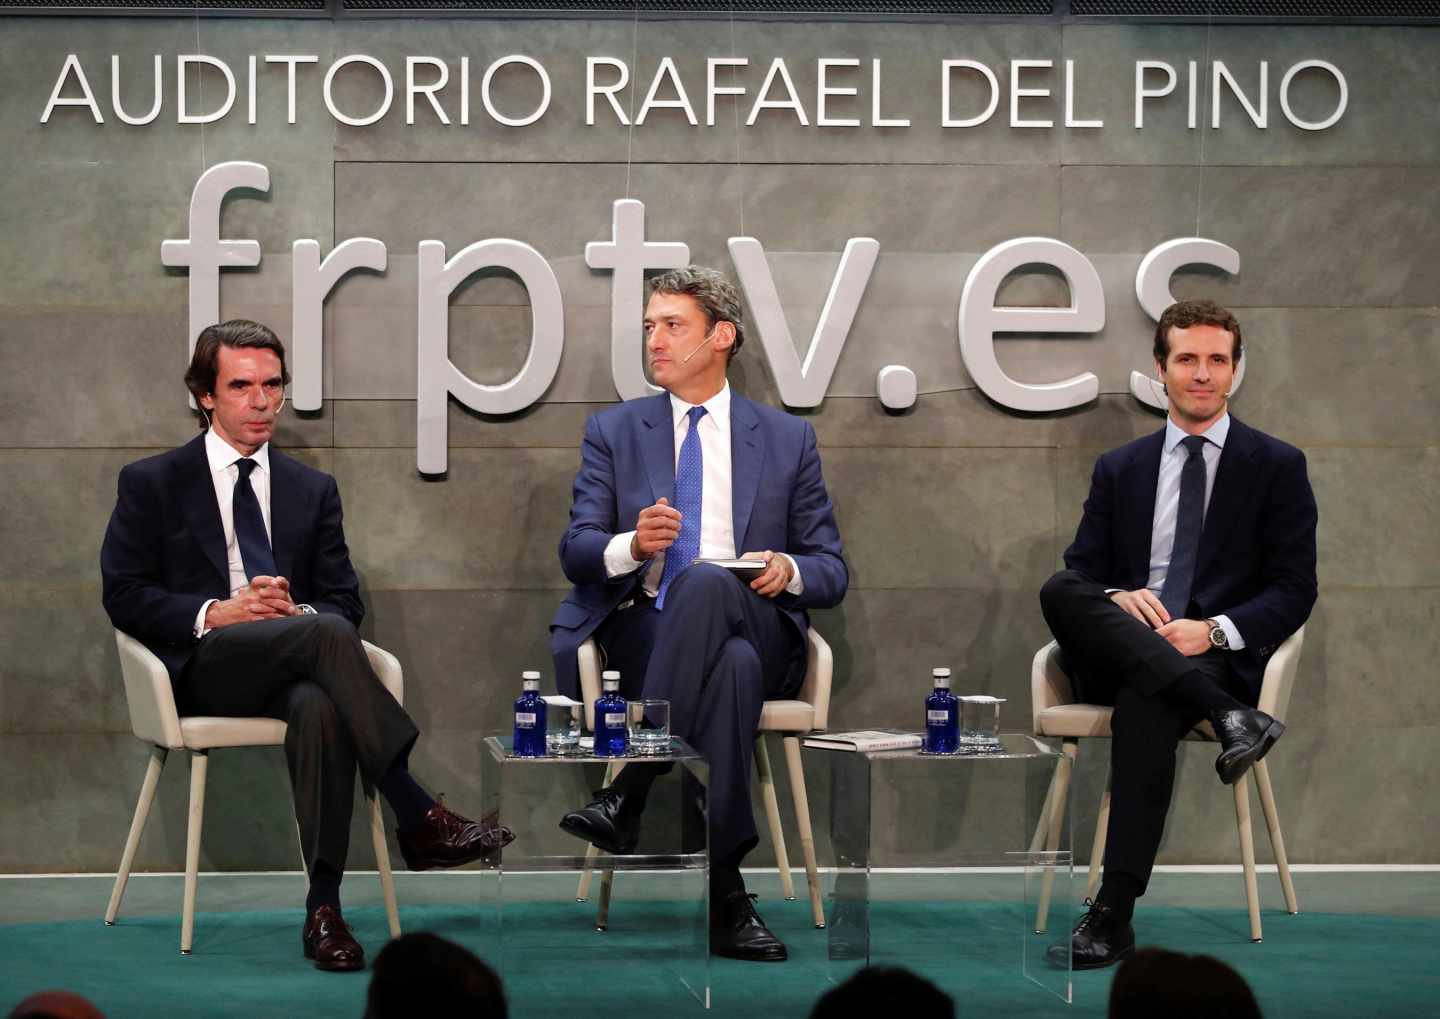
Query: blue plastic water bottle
pixel 530 718
pixel 612 732
pixel 942 716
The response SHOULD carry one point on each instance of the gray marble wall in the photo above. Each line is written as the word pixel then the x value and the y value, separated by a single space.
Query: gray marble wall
pixel 953 513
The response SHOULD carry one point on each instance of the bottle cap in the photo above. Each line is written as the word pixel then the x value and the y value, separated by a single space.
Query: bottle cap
pixel 529 674
pixel 610 685
pixel 942 678
pixel 610 674
pixel 530 684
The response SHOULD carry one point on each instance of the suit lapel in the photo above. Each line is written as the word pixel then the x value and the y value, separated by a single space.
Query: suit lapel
pixel 1141 476
pixel 197 502
pixel 285 512
pixel 657 446
pixel 747 456
pixel 1234 479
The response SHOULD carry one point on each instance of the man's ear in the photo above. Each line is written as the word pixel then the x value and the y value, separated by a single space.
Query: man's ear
pixel 724 335
pixel 207 401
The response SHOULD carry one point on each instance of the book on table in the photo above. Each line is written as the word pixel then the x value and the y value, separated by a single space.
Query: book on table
pixel 864 740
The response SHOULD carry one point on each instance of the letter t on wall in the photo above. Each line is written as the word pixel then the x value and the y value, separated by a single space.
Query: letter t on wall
pixel 628 255
pixel 204 252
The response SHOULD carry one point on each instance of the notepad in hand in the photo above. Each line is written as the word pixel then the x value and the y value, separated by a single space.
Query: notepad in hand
pixel 738 565
pixel 865 740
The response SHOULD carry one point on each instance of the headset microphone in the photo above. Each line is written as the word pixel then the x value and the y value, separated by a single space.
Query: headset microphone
pixel 686 359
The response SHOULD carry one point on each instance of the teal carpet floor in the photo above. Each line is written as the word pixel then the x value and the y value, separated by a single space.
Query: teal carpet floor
pixel 247 962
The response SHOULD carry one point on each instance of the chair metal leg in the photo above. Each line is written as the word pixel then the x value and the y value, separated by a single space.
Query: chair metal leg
pixel 137 828
pixel 1053 823
pixel 772 813
pixel 199 761
pixel 1097 847
pixel 582 891
pixel 1277 840
pixel 802 822
pixel 1247 853
pixel 382 864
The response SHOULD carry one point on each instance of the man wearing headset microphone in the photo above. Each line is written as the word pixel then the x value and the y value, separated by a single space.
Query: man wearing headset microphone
pixel 697 472
pixel 227 559
pixel 1193 561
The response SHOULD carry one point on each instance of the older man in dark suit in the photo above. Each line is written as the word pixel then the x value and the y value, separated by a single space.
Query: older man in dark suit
pixel 1194 559
pixel 228 560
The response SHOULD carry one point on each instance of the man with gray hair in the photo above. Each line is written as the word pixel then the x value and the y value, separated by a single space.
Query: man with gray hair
pixel 694 473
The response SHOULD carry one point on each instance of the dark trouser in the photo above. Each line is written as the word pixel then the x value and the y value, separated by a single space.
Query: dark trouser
pixel 311 672
pixel 1113 658
pixel 716 653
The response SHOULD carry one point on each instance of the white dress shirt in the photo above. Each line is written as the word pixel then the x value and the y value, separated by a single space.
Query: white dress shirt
pixel 224 473
pixel 717 513
pixel 1167 504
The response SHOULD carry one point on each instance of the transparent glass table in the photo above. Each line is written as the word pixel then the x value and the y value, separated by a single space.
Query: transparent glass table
pixel 544 917
pixel 937 869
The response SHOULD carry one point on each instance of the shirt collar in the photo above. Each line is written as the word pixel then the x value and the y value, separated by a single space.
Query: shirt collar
pixel 1216 433
pixel 222 455
pixel 717 407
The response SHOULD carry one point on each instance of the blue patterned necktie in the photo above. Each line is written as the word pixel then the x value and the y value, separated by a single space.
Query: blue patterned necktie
pixel 1189 519
pixel 689 496
pixel 250 525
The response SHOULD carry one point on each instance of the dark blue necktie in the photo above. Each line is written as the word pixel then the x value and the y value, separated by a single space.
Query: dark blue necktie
pixel 689 496
pixel 250 525
pixel 1189 520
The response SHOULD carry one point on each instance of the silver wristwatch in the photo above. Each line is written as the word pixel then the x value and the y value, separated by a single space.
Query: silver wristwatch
pixel 1218 637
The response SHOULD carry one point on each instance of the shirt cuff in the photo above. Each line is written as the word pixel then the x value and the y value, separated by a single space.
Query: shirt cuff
pixel 797 582
pixel 618 560
pixel 200 629
pixel 1237 642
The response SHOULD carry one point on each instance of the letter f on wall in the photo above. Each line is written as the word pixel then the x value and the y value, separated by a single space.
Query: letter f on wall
pixel 204 252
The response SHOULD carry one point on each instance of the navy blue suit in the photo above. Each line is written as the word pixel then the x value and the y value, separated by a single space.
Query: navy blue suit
pixel 164 556
pixel 1256 565
pixel 714 631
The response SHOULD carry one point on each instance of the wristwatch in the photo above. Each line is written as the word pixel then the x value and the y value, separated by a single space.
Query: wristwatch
pixel 309 610
pixel 1218 637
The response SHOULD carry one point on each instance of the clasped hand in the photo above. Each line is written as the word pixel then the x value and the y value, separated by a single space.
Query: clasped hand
pixel 263 598
pixel 658 526
pixel 1188 636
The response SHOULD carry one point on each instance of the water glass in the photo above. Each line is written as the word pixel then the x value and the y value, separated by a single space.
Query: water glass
pixel 980 721
pixel 562 735
pixel 649 727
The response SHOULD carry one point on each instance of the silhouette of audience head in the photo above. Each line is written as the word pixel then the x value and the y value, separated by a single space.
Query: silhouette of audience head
pixel 56 1005
pixel 1155 981
pixel 876 990
pixel 423 974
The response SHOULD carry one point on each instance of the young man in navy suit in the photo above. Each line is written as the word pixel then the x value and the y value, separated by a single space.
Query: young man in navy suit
pixel 1194 560
pixel 228 560
pixel 697 471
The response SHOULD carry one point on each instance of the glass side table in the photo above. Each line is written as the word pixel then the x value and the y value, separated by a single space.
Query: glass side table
pixel 937 869
pixel 537 927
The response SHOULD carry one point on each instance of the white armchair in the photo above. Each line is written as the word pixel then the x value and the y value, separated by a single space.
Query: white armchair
pixel 154 719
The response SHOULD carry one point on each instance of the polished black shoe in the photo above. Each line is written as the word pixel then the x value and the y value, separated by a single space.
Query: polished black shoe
pixel 1246 735
pixel 327 940
pixel 1100 939
pixel 605 823
pixel 446 839
pixel 737 932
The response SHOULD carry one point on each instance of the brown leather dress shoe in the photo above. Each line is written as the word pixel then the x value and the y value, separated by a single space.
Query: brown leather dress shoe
pixel 327 940
pixel 447 839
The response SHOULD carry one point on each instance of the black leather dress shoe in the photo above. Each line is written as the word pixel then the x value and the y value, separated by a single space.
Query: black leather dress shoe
pixel 737 932
pixel 327 940
pixel 605 822
pixel 1246 735
pixel 446 839
pixel 1100 939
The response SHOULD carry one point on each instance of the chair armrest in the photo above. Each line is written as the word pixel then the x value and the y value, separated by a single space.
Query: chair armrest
pixel 148 694
pixel 588 658
pixel 1280 673
pixel 819 672
pixel 1049 686
pixel 387 668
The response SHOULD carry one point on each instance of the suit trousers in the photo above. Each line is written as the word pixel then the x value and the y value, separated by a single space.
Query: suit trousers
pixel 1115 659
pixel 312 673
pixel 716 653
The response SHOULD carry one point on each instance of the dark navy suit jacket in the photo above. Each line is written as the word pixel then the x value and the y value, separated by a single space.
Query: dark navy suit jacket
pixel 164 551
pixel 1257 548
pixel 627 462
